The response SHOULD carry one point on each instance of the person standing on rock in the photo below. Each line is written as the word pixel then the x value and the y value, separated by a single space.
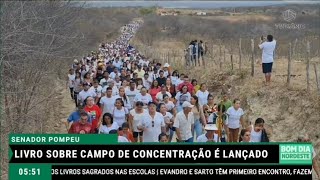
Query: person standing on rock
pixel 268 48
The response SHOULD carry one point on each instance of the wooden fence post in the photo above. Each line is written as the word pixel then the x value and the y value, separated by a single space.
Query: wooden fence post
pixel 308 66
pixel 289 65
pixel 220 54
pixel 294 47
pixel 212 56
pixel 240 53
pixel 252 57
pixel 224 54
pixel 231 58
pixel 316 72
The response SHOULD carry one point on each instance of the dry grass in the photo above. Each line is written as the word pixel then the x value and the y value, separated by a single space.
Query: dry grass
pixel 288 110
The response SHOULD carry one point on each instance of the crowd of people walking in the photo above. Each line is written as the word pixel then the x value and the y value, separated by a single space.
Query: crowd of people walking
pixel 117 90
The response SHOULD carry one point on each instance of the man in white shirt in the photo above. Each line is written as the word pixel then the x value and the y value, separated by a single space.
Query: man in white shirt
pixel 268 48
pixel 85 93
pixel 96 88
pixel 107 101
pixel 115 73
pixel 184 123
pixel 210 135
pixel 152 125
pixel 117 63
pixel 131 91
pixel 140 72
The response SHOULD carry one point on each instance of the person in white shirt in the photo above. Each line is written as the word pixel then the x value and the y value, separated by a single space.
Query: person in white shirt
pixel 96 88
pixel 203 94
pixel 169 105
pixel 107 124
pixel 136 115
pixel 166 72
pixel 71 82
pixel 152 125
pixel 125 98
pixel 168 119
pixel 235 119
pixel 118 82
pixel 115 90
pixel 184 123
pixel 268 48
pixel 245 136
pixel 143 96
pixel 104 81
pixel 140 72
pixel 119 112
pixel 107 102
pixel 117 64
pixel 115 73
pixel 146 81
pixel 175 78
pixel 121 139
pixel 159 96
pixel 210 135
pixel 179 81
pixel 85 93
pixel 256 130
pixel 131 91
pixel 181 97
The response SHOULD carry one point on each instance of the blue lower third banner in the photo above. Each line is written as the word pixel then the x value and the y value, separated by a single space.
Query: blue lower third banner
pixel 61 172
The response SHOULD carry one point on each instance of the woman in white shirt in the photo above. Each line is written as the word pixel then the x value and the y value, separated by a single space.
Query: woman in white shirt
pixel 181 97
pixel 199 119
pixel 175 78
pixel 118 82
pixel 245 136
pixel 169 105
pixel 235 119
pixel 168 120
pixel 119 112
pixel 136 115
pixel 143 96
pixel 71 82
pixel 159 96
pixel 107 124
pixel 125 98
pixel 203 94
pixel 256 130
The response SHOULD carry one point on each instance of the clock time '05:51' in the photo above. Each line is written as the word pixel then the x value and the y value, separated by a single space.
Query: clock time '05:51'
pixel 29 171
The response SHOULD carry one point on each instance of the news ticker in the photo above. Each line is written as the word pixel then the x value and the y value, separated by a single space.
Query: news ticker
pixel 49 156
pixel 249 171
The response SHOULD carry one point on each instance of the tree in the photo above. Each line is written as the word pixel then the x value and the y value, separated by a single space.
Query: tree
pixel 37 38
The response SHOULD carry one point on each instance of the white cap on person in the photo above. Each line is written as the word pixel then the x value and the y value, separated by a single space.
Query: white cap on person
pixel 211 127
pixel 187 104
pixel 75 61
pixel 166 65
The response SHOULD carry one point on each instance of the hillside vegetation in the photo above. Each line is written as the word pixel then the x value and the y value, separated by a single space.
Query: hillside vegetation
pixel 288 110
pixel 39 41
